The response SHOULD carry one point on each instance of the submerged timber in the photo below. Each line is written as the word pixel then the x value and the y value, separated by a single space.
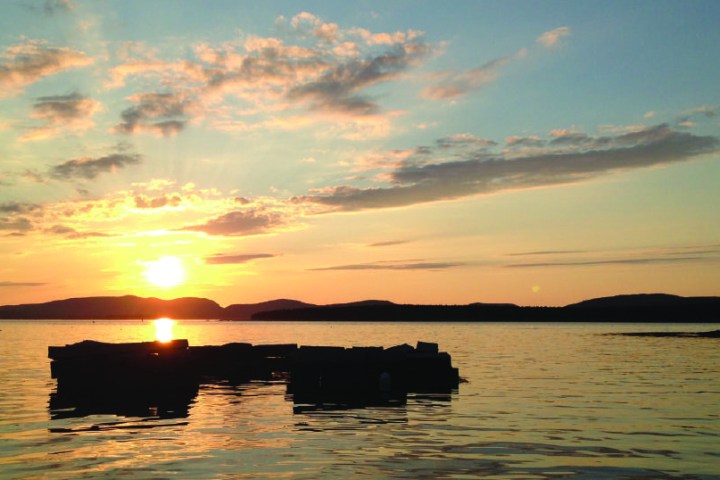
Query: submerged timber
pixel 164 378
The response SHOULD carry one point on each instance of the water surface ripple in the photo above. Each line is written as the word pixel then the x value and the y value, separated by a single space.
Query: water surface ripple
pixel 541 401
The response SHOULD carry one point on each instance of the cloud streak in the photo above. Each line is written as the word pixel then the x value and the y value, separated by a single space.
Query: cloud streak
pixel 21 284
pixel 165 114
pixel 60 114
pixel 451 85
pixel 317 67
pixel 240 223
pixel 481 172
pixel 236 259
pixel 613 261
pixel 33 60
pixel 393 266
pixel 552 38
pixel 338 89
pixel 90 168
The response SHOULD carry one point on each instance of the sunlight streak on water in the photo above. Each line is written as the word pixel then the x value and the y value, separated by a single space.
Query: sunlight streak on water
pixel 164 329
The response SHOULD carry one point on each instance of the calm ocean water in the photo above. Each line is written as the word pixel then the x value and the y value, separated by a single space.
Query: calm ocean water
pixel 541 401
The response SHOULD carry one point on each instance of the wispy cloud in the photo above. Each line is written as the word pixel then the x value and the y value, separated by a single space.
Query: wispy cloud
pixel 544 252
pixel 61 114
pixel 17 224
pixel 21 284
pixel 236 259
pixel 71 233
pixel 646 256
pixel 90 168
pixel 578 158
pixel 14 215
pixel 389 243
pixel 338 88
pixel 552 38
pixel 394 266
pixel 58 6
pixel 317 66
pixel 161 113
pixel 18 207
pixel 613 261
pixel 241 222
pixel 450 85
pixel 26 63
pixel 159 201
pixel 51 7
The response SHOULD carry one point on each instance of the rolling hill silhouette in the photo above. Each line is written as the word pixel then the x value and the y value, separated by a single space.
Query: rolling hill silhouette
pixel 622 308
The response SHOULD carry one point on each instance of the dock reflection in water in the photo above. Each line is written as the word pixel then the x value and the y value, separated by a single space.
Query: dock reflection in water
pixel 162 379
pixel 159 401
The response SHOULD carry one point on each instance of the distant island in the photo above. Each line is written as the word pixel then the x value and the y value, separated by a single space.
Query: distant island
pixel 661 308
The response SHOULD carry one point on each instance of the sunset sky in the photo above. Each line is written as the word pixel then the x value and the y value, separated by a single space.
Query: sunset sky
pixel 538 153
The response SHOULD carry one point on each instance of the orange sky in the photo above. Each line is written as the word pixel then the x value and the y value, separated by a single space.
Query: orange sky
pixel 329 154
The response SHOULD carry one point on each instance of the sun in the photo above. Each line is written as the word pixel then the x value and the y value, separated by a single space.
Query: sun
pixel 165 272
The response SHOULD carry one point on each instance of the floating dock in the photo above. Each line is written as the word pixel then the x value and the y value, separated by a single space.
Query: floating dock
pixel 91 374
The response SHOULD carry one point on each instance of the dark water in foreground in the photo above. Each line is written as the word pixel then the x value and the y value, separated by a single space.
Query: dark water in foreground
pixel 541 401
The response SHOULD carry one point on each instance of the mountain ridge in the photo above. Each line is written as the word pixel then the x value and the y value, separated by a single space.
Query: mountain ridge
pixel 637 307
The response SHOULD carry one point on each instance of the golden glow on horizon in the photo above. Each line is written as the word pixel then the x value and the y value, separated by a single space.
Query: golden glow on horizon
pixel 165 272
pixel 164 329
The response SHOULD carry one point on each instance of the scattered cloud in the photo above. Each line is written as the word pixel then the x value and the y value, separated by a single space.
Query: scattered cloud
pixel 162 113
pixel 14 216
pixel 26 63
pixel 394 266
pixel 18 207
pixel 644 256
pixel 236 259
pixel 612 261
pixel 449 85
pixel 18 224
pixel 160 201
pixel 338 89
pixel 51 7
pixel 60 114
pixel 90 168
pixel 552 38
pixel 241 222
pixel 431 176
pixel 544 252
pixel 696 115
pixel 389 243
pixel 453 84
pixel 524 141
pixel 21 284
pixel 71 233
pixel 317 67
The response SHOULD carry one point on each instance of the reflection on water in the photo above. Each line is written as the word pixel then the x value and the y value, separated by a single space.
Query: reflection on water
pixel 164 329
pixel 160 402
pixel 542 401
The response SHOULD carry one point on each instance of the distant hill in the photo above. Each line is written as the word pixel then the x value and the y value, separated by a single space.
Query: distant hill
pixel 245 311
pixel 125 307
pixel 646 300
pixel 655 307
pixel 622 308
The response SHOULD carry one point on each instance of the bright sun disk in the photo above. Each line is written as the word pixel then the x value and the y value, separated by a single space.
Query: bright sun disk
pixel 165 272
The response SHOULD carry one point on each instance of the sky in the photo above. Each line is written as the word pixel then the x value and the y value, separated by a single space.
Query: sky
pixel 531 152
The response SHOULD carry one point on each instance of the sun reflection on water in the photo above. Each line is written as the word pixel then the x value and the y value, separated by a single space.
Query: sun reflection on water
pixel 164 329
